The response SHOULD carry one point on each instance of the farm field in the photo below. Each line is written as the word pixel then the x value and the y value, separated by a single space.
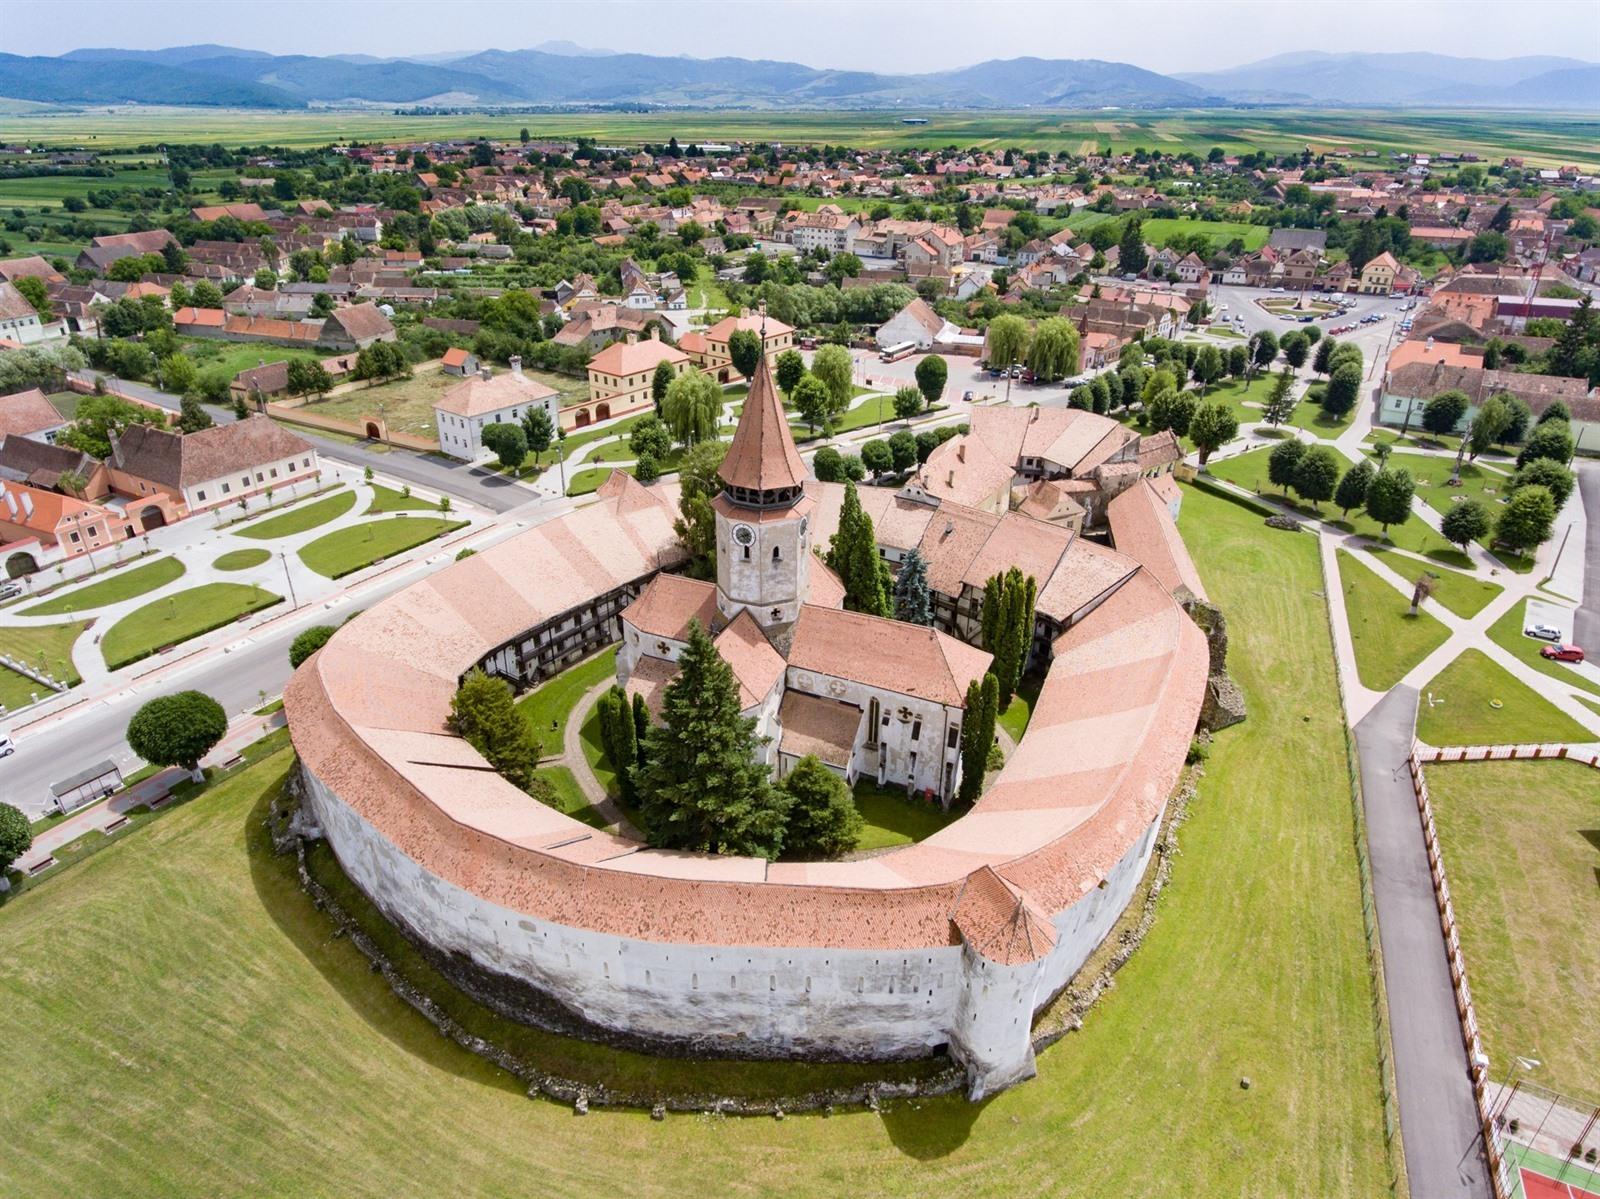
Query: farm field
pixel 1519 843
pixel 1541 137
pixel 1157 230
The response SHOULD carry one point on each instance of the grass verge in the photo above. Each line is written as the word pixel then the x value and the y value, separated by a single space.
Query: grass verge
pixel 241 559
pixel 1465 595
pixel 547 706
pixel 1507 634
pixel 48 647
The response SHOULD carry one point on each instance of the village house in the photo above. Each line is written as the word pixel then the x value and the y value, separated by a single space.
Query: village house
pixel 620 378
pixel 30 414
pixel 19 323
pixel 918 324
pixel 1378 275
pixel 461 413
pixel 709 350
pixel 59 526
pixel 169 475
pixel 1407 389
pixel 53 468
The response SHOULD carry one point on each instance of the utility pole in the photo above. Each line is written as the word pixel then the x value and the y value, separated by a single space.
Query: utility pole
pixel 294 600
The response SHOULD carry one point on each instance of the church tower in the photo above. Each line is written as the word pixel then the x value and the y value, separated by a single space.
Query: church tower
pixel 763 516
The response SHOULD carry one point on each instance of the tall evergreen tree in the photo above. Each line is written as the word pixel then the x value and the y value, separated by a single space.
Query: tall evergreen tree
pixel 911 602
pixel 701 786
pixel 977 734
pixel 483 712
pixel 853 556
pixel 1012 627
pixel 1131 255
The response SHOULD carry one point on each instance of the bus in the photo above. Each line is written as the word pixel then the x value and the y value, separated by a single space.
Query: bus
pixel 896 352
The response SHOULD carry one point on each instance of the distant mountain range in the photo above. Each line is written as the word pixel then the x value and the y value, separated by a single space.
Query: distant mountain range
pixel 565 74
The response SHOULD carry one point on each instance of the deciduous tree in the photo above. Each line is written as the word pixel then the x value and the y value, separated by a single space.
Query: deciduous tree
pixel 1527 520
pixel 308 642
pixel 692 408
pixel 1352 490
pixel 1466 522
pixel 178 730
pixel 1212 427
pixel 822 820
pixel 482 711
pixel 931 374
pixel 1389 497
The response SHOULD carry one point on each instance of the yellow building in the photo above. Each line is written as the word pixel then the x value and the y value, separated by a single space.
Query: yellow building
pixel 1377 277
pixel 710 349
pixel 619 381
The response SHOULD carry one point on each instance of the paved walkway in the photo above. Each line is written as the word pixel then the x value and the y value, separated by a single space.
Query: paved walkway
pixel 572 757
pixel 1438 1114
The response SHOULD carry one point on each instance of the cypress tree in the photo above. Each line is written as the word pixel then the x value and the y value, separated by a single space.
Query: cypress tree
pixel 992 597
pixel 701 786
pixel 853 555
pixel 977 734
pixel 641 725
pixel 911 603
pixel 1009 601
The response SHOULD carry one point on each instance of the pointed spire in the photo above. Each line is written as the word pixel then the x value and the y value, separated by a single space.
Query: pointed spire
pixel 762 456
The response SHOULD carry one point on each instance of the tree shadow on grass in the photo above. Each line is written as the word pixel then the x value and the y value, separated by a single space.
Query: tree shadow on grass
pixel 928 1129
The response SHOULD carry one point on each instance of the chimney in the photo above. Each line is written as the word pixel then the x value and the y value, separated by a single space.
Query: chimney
pixel 950 479
pixel 484 372
pixel 516 364
pixel 961 451
pixel 27 503
pixel 11 503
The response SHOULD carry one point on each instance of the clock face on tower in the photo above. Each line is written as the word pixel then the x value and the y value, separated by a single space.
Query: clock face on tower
pixel 744 534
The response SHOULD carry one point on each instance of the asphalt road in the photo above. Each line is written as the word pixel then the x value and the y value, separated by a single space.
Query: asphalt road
pixel 1443 1145
pixel 488 489
pixel 1586 631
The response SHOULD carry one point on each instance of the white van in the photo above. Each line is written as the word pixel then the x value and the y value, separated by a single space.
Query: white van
pixel 7 745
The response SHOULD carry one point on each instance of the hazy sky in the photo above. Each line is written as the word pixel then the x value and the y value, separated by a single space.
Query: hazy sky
pixel 885 35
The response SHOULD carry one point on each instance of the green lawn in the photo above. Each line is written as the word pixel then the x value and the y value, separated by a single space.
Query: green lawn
pixel 1015 718
pixel 406 404
pixel 230 358
pixel 1465 595
pixel 1259 935
pixel 1249 471
pixel 389 499
pixel 119 585
pixel 1507 634
pixel 1308 415
pixel 241 559
pixel 46 646
pixel 349 549
pixel 177 618
pixel 1388 640
pixel 301 517
pixel 1235 392
pixel 1432 476
pixel 889 818
pixel 1522 850
pixel 588 481
pixel 569 797
pixel 1463 713
pixel 547 706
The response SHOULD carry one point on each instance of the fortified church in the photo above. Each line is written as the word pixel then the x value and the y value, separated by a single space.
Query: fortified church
pixel 865 694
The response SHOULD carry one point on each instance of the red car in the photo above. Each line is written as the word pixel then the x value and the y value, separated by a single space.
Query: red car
pixel 1562 653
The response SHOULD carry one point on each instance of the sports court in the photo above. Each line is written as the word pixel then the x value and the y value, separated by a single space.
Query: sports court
pixel 1535 1175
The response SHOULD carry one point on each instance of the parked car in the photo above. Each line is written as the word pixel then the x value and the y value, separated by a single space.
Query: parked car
pixel 1306 320
pixel 1544 632
pixel 1561 653
pixel 966 397
pixel 10 589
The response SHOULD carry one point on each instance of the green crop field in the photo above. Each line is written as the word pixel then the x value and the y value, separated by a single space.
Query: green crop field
pixel 1541 137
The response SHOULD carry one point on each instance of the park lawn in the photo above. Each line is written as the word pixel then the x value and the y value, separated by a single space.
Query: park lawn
pixel 1388 640
pixel 300 518
pixel 241 559
pixel 1507 634
pixel 349 549
pixel 119 585
pixel 1418 439
pixel 1521 851
pixel 548 705
pixel 585 482
pixel 866 414
pixel 406 404
pixel 1235 392
pixel 1462 713
pixel 1465 595
pixel 177 618
pixel 48 646
pixel 1259 933
pixel 1015 718
pixel 889 818
pixel 1432 476
pixel 389 499
pixel 1249 470
pixel 1308 415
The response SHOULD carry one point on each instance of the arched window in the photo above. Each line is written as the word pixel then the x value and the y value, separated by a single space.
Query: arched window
pixel 777 554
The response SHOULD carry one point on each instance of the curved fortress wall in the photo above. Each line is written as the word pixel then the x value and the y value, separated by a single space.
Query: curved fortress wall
pixel 955 941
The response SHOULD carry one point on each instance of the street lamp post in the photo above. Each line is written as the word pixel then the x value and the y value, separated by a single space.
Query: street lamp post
pixel 294 600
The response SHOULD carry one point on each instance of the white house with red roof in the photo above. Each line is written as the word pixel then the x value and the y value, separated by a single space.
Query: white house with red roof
pixel 460 414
